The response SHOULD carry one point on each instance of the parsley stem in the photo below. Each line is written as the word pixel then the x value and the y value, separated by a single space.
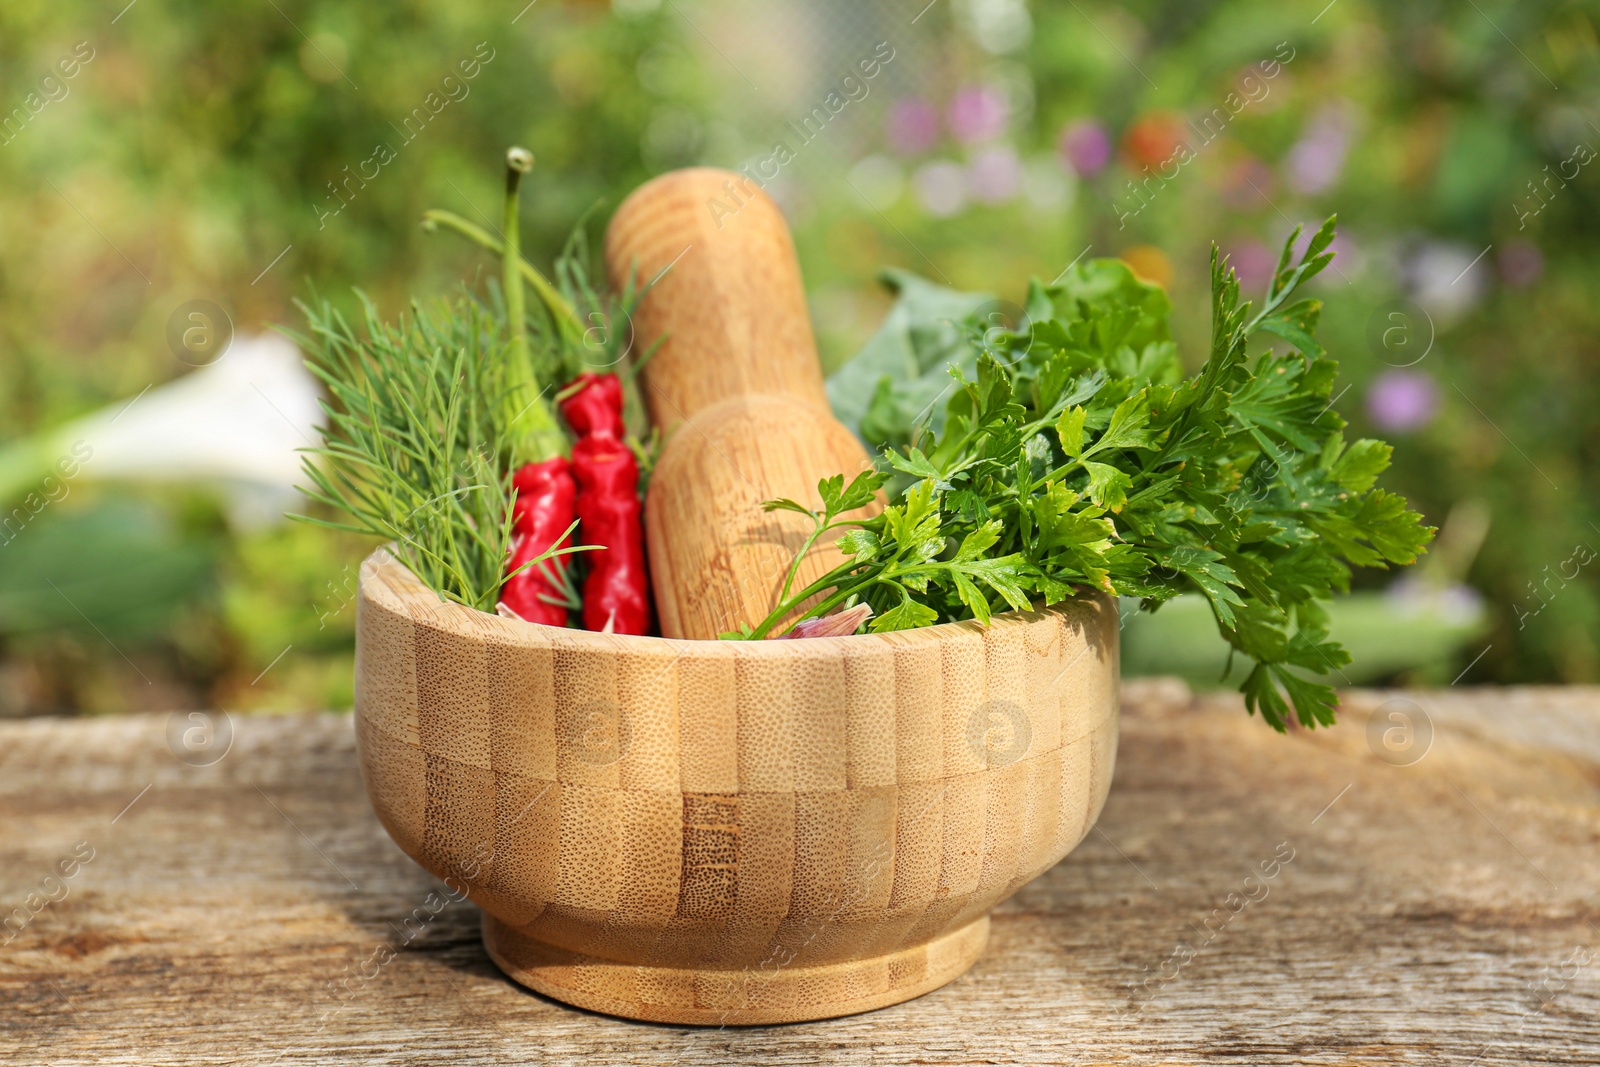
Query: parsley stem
pixel 831 580
pixel 805 549
pixel 799 557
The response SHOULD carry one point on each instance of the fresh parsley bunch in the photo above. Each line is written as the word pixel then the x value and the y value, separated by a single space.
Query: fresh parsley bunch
pixel 1078 455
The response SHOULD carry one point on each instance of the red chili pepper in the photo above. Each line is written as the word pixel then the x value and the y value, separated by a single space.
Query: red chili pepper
pixel 596 405
pixel 542 507
pixel 542 510
pixel 616 594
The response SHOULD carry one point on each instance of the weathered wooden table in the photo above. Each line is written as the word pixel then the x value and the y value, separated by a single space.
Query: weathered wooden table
pixel 1429 901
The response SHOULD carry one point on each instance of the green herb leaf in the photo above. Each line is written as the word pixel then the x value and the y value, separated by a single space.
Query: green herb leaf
pixel 1297 324
pixel 1069 428
pixel 1359 466
pixel 906 615
pixel 785 504
pixel 862 544
pixel 1235 482
pixel 412 431
pixel 979 541
pixel 838 498
pixel 1108 486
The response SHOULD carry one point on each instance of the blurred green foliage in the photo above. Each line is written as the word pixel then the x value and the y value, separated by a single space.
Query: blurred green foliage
pixel 200 140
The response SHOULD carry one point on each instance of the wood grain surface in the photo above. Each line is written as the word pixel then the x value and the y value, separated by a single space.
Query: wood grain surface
pixel 731 312
pixel 253 911
pixel 736 389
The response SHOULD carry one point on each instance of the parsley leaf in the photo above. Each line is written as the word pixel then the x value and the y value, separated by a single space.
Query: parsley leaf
pixel 1072 453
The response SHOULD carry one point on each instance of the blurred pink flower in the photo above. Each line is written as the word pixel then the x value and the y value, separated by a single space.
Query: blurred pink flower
pixel 1521 263
pixel 995 174
pixel 912 125
pixel 1248 185
pixel 1401 400
pixel 1317 159
pixel 1085 147
pixel 978 113
pixel 1254 262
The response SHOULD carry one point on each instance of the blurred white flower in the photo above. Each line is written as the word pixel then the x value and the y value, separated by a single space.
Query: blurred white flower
pixel 1446 278
pixel 1048 186
pixel 999 26
pixel 879 179
pixel 235 423
pixel 995 174
pixel 941 187
pixel 1457 604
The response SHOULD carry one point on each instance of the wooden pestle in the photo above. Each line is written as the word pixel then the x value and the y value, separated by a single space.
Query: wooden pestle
pixel 736 390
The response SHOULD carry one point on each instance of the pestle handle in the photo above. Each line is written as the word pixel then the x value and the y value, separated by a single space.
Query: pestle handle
pixel 732 308
pixel 736 390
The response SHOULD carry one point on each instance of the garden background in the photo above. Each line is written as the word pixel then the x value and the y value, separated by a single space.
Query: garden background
pixel 204 159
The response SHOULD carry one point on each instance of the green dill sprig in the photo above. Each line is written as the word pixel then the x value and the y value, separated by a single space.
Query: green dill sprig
pixel 410 446
pixel 427 418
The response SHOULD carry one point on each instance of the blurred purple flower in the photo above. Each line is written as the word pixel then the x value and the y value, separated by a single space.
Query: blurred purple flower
pixel 1317 159
pixel 1401 400
pixel 995 174
pixel 978 113
pixel 1521 263
pixel 1254 262
pixel 1085 147
pixel 912 125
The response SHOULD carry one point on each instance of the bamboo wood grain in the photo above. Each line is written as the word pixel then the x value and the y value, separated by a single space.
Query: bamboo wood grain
pixel 732 832
pixel 253 911
pixel 737 391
